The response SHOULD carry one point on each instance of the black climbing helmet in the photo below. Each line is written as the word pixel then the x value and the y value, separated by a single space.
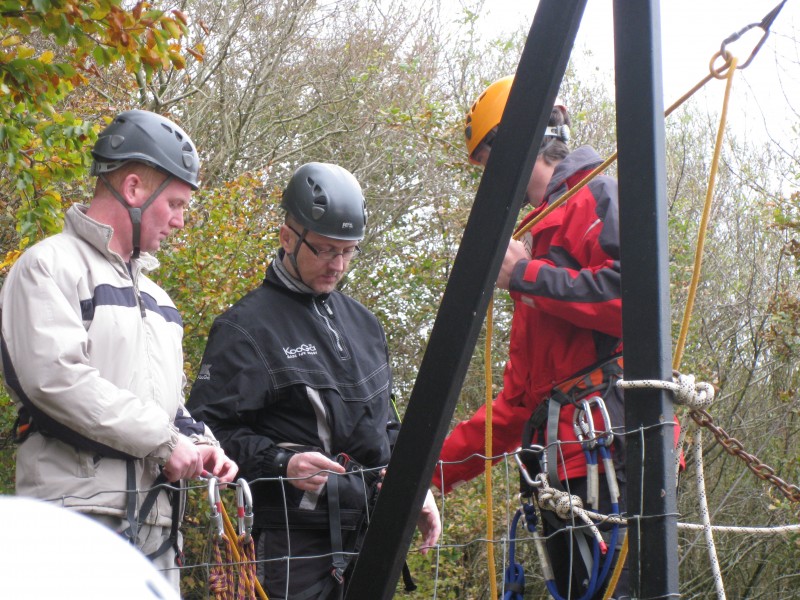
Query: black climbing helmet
pixel 149 138
pixel 326 199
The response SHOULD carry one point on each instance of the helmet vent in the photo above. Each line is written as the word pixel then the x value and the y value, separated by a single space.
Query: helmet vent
pixel 116 141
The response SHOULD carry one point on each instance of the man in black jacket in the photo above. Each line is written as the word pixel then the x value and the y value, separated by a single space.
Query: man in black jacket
pixel 296 383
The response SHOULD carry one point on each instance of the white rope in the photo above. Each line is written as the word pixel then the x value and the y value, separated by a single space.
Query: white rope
pixel 777 529
pixel 684 388
pixel 702 499
pixel 564 505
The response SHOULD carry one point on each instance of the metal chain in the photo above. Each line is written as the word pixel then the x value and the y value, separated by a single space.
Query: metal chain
pixel 734 447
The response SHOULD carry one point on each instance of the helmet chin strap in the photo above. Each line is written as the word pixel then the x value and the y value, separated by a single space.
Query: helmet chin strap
pixel 293 256
pixel 135 213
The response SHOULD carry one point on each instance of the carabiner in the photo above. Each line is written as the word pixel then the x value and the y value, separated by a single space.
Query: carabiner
pixel 583 424
pixel 523 469
pixel 215 503
pixel 604 436
pixel 764 25
pixel 244 509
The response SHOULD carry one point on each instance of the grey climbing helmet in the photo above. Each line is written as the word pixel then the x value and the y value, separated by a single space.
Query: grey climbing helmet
pixel 149 138
pixel 326 199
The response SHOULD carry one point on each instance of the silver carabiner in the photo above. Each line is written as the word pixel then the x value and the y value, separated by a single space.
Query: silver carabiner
pixel 244 509
pixel 524 469
pixel 215 503
pixel 583 424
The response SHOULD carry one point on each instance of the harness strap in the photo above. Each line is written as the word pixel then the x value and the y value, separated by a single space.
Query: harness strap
pixel 335 517
pixel 176 499
pixel 135 522
pixel 132 532
pixel 552 448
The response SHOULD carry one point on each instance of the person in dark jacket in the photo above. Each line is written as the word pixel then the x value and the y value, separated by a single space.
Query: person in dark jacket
pixel 296 384
pixel 564 276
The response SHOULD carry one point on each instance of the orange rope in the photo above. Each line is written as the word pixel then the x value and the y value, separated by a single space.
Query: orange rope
pixel 487 365
pixel 220 575
pixel 701 234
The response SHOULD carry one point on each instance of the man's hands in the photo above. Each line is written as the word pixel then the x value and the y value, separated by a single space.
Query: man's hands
pixel 309 471
pixel 516 252
pixel 310 468
pixel 217 463
pixel 188 461
pixel 429 523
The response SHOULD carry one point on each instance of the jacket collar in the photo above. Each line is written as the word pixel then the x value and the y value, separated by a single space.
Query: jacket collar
pixel 281 275
pixel 98 235
pixel 577 163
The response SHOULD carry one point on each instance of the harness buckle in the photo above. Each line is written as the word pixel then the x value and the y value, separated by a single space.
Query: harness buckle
pixel 338 574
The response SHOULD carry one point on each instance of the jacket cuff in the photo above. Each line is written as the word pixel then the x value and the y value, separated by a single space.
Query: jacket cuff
pixel 521 277
pixel 164 451
pixel 276 460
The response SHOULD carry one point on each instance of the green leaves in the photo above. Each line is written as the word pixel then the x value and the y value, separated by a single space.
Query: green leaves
pixel 50 52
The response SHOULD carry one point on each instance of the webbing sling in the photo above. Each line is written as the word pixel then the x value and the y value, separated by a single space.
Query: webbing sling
pixel 596 378
pixel 134 521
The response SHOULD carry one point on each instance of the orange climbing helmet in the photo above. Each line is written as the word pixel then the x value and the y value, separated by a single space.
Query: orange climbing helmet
pixel 485 114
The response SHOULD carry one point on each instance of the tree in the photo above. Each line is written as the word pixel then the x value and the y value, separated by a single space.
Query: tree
pixel 54 52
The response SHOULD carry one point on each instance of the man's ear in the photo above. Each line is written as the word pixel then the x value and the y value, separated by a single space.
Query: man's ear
pixel 130 186
pixel 285 237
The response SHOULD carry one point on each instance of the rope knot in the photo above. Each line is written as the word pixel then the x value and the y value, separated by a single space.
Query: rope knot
pixel 566 504
pixel 689 393
pixel 683 388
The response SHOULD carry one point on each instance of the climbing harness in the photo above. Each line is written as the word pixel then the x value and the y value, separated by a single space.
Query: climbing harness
pixel 683 386
pixel 568 508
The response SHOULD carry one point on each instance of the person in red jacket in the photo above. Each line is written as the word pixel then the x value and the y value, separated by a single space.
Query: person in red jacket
pixel 564 276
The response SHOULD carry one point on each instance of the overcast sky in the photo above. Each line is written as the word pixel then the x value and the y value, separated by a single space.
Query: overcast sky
pixel 692 31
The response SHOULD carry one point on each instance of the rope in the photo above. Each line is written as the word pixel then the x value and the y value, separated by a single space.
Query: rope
pixel 716 571
pixel 615 574
pixel 487 363
pixel 701 235
pixel 220 575
pixel 683 387
pixel 223 579
pixel 565 505
pixel 515 575
pixel 685 390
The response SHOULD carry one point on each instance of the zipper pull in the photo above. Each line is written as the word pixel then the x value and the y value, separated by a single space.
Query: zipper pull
pixel 327 308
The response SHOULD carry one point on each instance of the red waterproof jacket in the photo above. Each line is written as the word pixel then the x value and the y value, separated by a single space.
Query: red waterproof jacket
pixel 567 316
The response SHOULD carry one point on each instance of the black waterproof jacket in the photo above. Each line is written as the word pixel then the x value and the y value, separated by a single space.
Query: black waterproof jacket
pixel 285 369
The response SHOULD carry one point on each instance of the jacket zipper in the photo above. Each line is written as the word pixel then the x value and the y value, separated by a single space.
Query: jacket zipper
pixel 337 338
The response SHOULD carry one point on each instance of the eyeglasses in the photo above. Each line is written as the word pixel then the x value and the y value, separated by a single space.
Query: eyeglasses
pixel 328 255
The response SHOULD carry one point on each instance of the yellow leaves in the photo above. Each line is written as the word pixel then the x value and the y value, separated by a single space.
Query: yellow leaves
pixel 11 40
pixel 172 28
pixel 10 259
pixel 47 57
pixel 25 52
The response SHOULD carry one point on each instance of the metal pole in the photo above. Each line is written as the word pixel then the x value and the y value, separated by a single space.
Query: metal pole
pixel 466 298
pixel 652 513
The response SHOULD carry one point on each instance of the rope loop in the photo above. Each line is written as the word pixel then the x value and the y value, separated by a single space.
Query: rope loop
pixel 720 72
pixel 686 392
